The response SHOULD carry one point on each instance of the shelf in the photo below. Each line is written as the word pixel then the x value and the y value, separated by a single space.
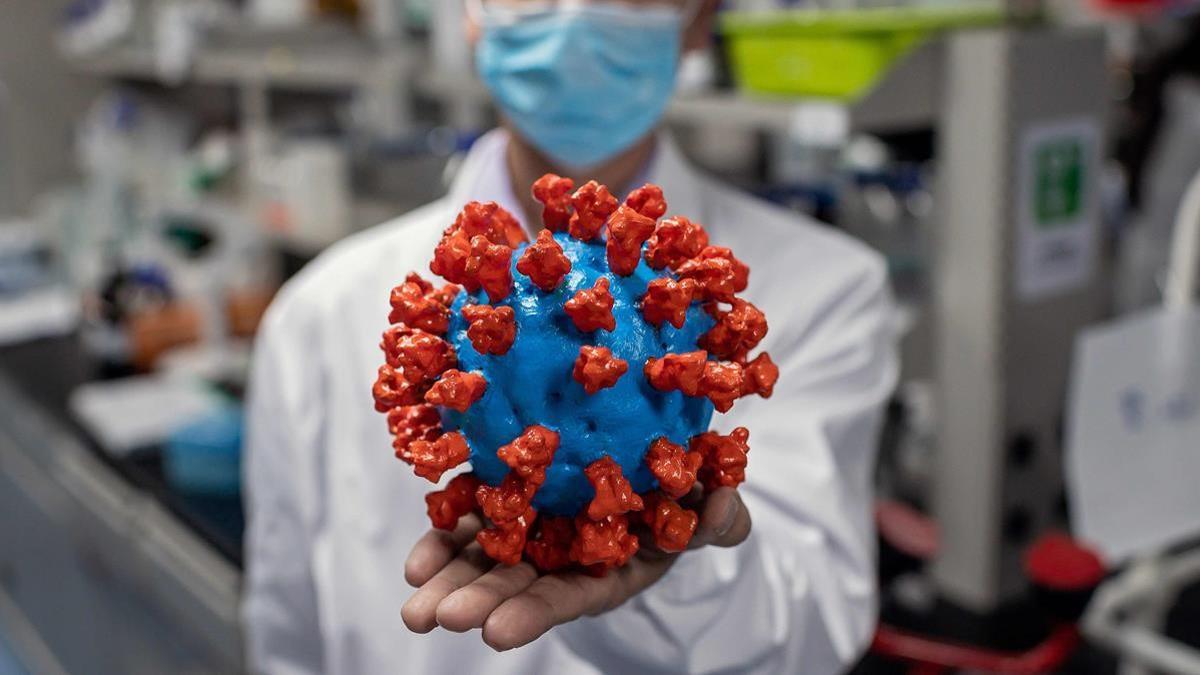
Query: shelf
pixel 735 110
pixel 906 98
pixel 338 66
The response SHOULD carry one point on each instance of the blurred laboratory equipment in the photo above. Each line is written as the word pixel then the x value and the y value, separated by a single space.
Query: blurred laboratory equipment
pixel 89 25
pixel 203 456
pixel 33 301
pixel 7 154
pixel 306 192
pixel 1175 157
pixel 1135 418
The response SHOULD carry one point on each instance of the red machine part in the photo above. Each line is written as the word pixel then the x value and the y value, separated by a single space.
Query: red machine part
pixel 420 372
pixel 907 530
pixel 1141 9
pixel 1059 563
pixel 931 657
pixel 1055 562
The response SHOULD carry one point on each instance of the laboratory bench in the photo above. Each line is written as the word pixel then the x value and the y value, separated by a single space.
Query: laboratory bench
pixel 104 567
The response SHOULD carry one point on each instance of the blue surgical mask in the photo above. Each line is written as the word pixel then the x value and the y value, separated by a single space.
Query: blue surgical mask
pixel 581 82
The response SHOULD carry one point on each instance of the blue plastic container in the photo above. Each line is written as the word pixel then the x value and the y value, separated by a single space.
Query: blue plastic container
pixel 204 457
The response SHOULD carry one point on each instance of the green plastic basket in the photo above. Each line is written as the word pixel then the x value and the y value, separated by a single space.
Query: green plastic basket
pixel 833 53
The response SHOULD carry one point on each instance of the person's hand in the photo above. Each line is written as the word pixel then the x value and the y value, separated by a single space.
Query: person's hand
pixel 459 588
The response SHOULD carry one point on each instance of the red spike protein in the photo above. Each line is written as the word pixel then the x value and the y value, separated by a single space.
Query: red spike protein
pixel 577 374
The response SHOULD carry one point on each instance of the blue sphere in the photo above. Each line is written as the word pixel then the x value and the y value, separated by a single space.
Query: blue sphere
pixel 532 383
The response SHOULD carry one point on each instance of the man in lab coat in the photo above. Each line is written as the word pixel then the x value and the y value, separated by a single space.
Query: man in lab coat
pixel 337 528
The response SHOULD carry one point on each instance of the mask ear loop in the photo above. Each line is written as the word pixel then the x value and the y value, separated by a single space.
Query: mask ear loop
pixel 688 15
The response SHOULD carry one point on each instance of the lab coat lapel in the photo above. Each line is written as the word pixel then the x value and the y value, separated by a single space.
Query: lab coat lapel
pixel 483 176
pixel 681 184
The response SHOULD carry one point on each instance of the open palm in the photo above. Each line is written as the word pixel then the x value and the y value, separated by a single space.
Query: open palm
pixel 459 588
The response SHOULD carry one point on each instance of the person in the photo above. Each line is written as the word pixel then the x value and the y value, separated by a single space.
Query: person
pixel 337 526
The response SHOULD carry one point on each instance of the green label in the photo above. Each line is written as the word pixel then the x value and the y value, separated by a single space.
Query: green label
pixel 1059 182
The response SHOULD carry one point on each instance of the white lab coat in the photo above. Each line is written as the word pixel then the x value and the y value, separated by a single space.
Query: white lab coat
pixel 332 515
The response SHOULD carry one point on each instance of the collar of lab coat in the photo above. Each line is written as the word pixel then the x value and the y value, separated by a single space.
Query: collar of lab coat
pixel 484 176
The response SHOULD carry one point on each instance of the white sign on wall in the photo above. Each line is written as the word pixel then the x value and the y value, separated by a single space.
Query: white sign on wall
pixel 1057 210
pixel 1133 444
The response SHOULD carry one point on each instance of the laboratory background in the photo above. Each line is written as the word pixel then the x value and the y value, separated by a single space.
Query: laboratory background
pixel 1029 169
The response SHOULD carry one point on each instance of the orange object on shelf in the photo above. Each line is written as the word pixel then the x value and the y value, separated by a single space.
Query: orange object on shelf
pixel 153 332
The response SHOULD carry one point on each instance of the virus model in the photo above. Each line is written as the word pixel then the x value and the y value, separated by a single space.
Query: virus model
pixel 577 374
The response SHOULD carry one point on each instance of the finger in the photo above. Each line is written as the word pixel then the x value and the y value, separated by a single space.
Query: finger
pixel 436 548
pixel 469 606
pixel 694 498
pixel 420 612
pixel 558 598
pixel 725 520
pixel 549 601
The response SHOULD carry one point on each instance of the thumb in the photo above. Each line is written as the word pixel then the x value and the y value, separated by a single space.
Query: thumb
pixel 724 521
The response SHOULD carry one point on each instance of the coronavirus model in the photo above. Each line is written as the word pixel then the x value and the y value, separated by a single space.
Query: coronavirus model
pixel 577 374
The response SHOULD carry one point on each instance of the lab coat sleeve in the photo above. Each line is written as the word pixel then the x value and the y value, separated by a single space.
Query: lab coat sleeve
pixel 282 496
pixel 799 596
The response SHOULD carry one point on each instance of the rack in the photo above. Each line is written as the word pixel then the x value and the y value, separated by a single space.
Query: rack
pixel 345 65
pixel 905 98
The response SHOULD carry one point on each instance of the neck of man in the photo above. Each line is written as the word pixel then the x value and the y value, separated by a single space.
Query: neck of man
pixel 526 164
